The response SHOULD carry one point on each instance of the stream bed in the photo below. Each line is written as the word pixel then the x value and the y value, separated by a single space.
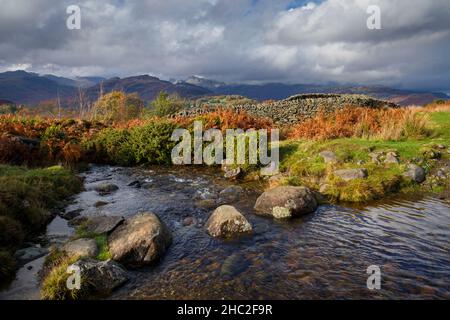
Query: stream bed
pixel 324 255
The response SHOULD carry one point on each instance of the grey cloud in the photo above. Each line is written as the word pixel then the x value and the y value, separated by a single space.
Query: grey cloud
pixel 240 40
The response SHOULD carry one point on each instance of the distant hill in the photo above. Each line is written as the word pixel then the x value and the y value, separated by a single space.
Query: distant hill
pixel 279 91
pixel 30 88
pixel 147 87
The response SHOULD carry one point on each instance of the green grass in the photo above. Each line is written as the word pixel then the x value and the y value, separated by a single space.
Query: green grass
pixel 301 160
pixel 27 197
pixel 100 239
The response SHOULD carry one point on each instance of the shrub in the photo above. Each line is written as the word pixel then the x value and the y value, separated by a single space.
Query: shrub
pixel 7 266
pixel 152 144
pixel 112 145
pixel 11 233
pixel 117 106
pixel 165 105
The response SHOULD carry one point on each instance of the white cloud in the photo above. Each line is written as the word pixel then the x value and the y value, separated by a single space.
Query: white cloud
pixel 241 40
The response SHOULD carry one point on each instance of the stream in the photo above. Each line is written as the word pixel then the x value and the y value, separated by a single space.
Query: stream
pixel 324 255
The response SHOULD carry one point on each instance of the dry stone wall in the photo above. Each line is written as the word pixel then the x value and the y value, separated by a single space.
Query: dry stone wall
pixel 298 107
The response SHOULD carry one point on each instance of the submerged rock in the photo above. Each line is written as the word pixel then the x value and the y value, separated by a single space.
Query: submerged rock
pixel 234 265
pixel 100 204
pixel 106 188
pixel 226 221
pixel 286 202
pixel 81 247
pixel 230 194
pixel 26 255
pixel 415 173
pixel 140 240
pixel 101 277
pixel 351 174
pixel 71 214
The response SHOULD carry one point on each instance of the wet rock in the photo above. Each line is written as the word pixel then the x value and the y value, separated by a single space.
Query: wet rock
pixel 391 157
pixel 26 255
pixel 329 156
pixel 71 214
pixel 81 247
pixel 230 194
pixel 231 172
pixel 103 224
pixel 351 174
pixel 286 201
pixel 415 173
pixel 106 188
pixel 136 184
pixel 233 266
pixel 77 221
pixel 139 240
pixel 99 204
pixel 226 221
pixel 188 221
pixel 101 277
pixel 206 204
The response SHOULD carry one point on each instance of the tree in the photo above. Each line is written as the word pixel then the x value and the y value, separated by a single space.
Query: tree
pixel 165 105
pixel 117 106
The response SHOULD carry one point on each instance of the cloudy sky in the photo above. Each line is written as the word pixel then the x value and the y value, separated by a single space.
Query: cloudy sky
pixel 233 40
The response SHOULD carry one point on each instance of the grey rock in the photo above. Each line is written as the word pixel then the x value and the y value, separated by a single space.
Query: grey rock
pixel 230 194
pixel 391 157
pixel 139 240
pixel 103 224
pixel 100 204
pixel 286 201
pixel 71 214
pixel 226 221
pixel 415 173
pixel 101 277
pixel 81 247
pixel 106 188
pixel 351 174
pixel 329 156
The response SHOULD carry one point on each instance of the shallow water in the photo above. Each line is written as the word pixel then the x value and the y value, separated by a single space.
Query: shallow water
pixel 322 256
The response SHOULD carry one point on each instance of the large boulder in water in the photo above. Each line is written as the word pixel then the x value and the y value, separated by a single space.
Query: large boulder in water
pixel 226 221
pixel 100 277
pixel 139 240
pixel 286 202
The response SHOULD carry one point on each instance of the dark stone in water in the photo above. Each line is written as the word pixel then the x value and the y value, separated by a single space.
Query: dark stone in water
pixel 71 214
pixel 234 265
pixel 100 204
pixel 136 184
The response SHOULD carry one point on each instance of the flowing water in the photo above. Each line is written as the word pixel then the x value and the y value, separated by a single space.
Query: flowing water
pixel 324 255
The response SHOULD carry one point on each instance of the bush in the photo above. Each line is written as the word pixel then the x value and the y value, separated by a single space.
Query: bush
pixel 165 105
pixel 7 266
pixel 117 106
pixel 112 145
pixel 11 232
pixel 152 144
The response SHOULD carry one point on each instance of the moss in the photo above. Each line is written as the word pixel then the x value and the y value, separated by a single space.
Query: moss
pixel 100 239
pixel 11 232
